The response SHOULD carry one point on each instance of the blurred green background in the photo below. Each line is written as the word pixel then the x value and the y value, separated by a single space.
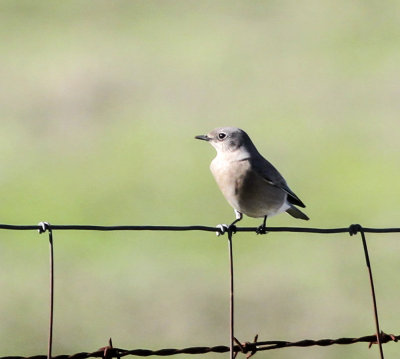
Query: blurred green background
pixel 99 104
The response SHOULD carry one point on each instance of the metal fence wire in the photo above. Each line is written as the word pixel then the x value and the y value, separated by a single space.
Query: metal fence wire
pixel 235 347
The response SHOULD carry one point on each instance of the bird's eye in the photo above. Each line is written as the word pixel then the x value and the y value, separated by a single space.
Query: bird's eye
pixel 221 136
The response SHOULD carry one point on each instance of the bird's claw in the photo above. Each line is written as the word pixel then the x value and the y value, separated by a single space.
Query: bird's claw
pixel 223 228
pixel 261 230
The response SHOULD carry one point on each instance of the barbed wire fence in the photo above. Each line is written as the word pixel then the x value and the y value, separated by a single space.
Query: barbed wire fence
pixel 235 347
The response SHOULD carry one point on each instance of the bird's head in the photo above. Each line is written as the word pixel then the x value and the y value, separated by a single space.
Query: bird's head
pixel 228 139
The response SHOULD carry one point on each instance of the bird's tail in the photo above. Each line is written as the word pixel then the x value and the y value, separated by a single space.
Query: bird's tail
pixel 296 213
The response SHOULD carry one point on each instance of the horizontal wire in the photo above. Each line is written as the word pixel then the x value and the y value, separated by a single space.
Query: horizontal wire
pixel 83 227
pixel 110 352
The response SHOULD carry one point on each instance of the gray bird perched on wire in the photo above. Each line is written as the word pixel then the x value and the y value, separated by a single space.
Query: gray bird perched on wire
pixel 250 184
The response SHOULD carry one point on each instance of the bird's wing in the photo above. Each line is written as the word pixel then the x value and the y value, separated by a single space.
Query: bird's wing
pixel 271 175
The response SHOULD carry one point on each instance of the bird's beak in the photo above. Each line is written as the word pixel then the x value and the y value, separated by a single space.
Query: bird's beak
pixel 203 137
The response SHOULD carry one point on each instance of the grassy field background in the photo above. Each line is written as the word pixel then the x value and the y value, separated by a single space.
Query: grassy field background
pixel 99 104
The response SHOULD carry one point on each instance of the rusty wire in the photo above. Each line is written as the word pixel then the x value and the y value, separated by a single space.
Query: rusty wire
pixel 371 282
pixel 248 348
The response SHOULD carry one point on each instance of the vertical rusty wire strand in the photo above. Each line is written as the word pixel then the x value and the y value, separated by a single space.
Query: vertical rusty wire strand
pixel 378 332
pixel 231 301
pixel 50 343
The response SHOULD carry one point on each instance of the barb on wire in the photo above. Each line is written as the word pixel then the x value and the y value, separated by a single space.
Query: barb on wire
pixel 109 351
pixel 247 347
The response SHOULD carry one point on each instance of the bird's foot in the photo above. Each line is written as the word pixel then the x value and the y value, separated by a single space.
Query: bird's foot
pixel 261 230
pixel 223 228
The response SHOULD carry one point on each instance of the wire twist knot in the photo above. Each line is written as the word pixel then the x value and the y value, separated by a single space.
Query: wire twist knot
pixel 354 229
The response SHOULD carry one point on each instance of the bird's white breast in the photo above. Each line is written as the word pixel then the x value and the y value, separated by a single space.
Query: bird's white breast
pixel 246 190
pixel 225 172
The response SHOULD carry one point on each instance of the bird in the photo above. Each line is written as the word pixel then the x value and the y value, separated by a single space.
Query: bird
pixel 250 183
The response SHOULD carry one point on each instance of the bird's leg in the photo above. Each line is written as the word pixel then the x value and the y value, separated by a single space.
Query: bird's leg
pixel 223 227
pixel 239 217
pixel 262 229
